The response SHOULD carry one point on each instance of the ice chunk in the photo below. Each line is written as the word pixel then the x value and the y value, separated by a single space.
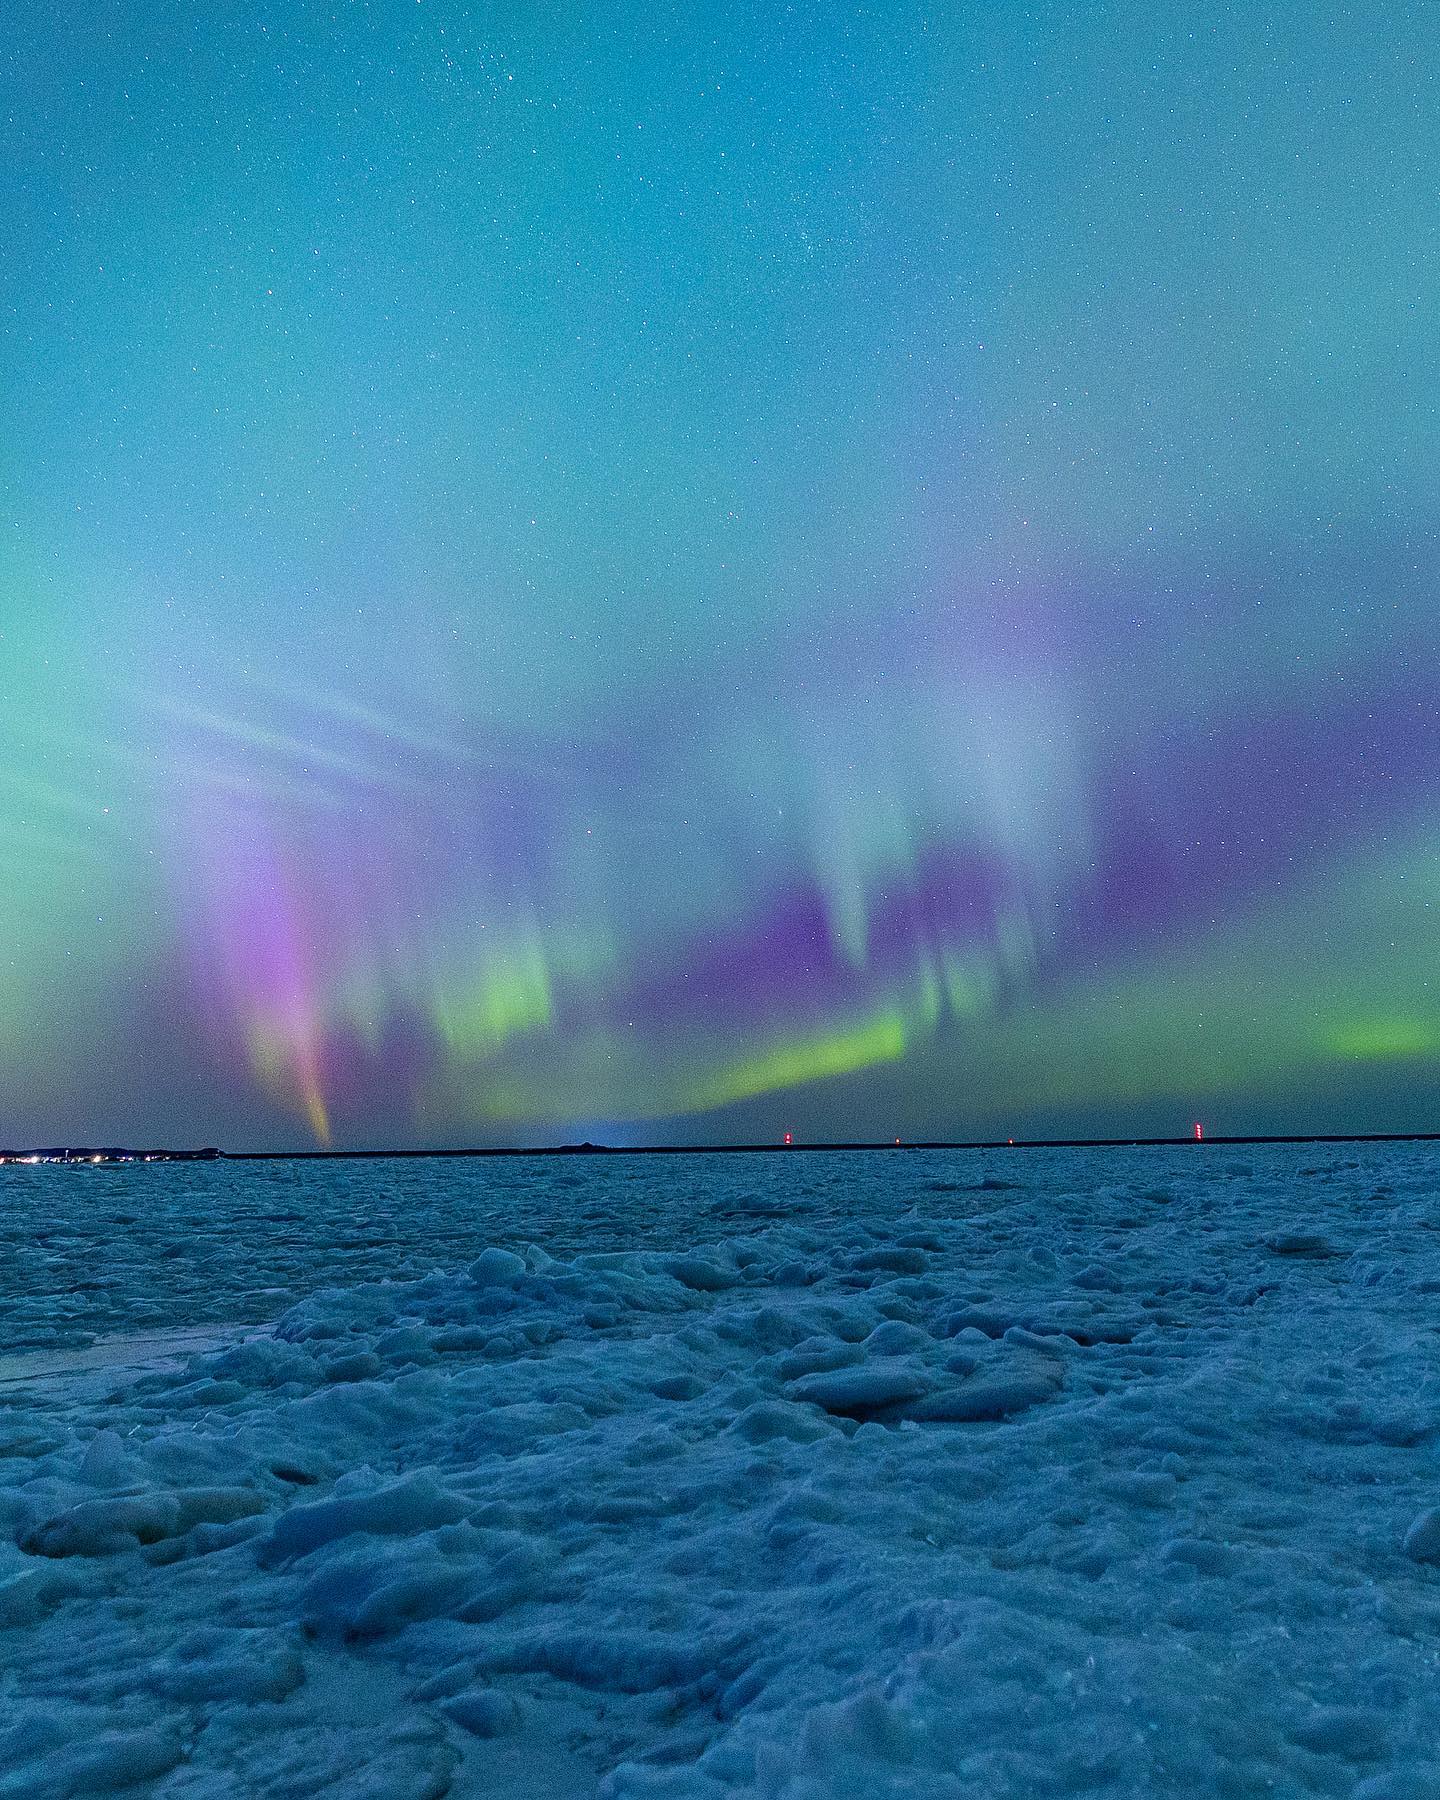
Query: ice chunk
pixel 678 1387
pixel 703 1276
pixel 214 1664
pixel 121 1521
pixel 365 1595
pixel 28 1596
pixel 990 1394
pixel 891 1259
pixel 863 1391
pixel 974 1318
pixel 1422 1540
pixel 497 1268
pixel 768 1419
pixel 1201 1554
pixel 484 1712
pixel 84 1762
pixel 406 1507
pixel 1350 1731
pixel 1302 1243
pixel 896 1338
pixel 817 1356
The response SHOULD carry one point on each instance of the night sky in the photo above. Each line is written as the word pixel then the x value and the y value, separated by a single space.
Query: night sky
pixel 640 573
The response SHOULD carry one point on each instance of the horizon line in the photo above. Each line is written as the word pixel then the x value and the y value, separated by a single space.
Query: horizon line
pixel 820 1145
pixel 79 1153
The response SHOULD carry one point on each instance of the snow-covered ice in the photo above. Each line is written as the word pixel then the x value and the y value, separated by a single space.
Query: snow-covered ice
pixel 1025 1474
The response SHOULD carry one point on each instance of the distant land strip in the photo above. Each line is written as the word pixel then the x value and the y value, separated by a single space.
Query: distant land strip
pixel 781 1148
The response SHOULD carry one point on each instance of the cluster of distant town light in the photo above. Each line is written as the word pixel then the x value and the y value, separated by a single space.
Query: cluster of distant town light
pixel 31 1157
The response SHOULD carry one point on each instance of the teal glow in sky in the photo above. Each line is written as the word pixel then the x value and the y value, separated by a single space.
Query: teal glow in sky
pixel 645 573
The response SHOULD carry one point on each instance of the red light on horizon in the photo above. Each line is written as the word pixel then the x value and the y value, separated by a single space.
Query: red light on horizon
pixel 1199 1131
pixel 788 1138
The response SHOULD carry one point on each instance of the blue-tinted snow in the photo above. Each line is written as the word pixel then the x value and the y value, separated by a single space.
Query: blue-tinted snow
pixel 1027 1474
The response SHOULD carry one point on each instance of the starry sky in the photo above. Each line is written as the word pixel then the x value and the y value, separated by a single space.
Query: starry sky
pixel 680 573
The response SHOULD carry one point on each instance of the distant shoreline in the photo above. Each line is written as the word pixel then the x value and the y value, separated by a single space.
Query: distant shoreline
pixel 80 1157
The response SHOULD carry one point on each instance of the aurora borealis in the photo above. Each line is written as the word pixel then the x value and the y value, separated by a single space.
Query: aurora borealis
pixel 647 573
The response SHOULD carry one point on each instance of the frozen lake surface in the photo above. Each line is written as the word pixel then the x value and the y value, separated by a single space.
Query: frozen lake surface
pixel 997 1475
